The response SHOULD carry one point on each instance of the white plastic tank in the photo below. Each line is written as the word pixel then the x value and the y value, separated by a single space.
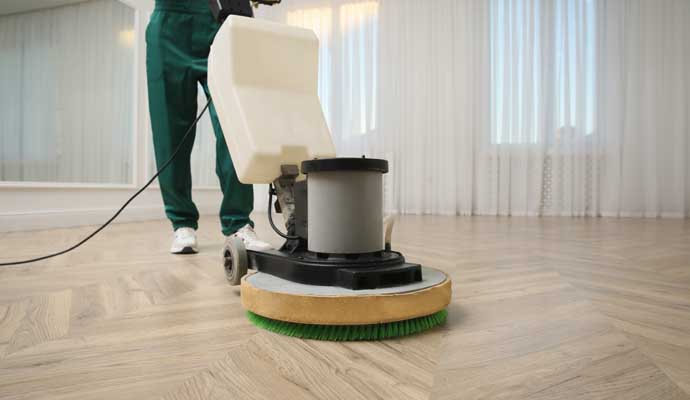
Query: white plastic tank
pixel 263 80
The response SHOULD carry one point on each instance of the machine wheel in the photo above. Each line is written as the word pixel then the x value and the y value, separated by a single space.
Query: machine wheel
pixel 235 260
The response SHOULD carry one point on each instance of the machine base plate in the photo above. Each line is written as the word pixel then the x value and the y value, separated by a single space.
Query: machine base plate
pixel 273 297
pixel 358 272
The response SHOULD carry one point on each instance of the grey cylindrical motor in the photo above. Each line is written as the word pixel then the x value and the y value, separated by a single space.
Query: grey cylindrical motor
pixel 345 205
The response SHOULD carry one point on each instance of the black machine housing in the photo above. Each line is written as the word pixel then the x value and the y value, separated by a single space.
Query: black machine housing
pixel 294 262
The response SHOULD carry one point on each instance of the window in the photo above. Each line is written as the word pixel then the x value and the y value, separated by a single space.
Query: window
pixel 67 94
pixel 543 72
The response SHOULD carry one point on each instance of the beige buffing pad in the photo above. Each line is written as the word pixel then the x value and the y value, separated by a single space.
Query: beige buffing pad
pixel 280 299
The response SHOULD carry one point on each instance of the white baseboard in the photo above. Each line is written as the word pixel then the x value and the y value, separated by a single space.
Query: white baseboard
pixel 23 209
pixel 47 219
pixel 66 218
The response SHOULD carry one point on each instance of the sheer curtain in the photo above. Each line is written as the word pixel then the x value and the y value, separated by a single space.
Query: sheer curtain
pixel 543 80
pixel 512 107
pixel 434 102
pixel 348 63
pixel 67 94
pixel 644 107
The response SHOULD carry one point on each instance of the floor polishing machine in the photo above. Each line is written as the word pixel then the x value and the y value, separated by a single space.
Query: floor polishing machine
pixel 336 277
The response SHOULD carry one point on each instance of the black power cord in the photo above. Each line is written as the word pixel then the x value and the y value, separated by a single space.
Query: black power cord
pixel 271 191
pixel 153 178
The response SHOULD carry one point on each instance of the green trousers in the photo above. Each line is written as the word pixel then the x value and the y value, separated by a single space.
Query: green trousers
pixel 178 39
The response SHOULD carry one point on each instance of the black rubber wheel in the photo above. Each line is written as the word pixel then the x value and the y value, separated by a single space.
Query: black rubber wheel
pixel 235 261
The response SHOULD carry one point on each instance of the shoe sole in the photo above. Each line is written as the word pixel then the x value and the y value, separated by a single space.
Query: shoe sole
pixel 186 250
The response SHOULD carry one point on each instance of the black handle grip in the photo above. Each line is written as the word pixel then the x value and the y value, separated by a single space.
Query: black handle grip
pixel 222 8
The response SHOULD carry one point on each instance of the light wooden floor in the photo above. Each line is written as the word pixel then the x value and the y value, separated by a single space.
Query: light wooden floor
pixel 543 308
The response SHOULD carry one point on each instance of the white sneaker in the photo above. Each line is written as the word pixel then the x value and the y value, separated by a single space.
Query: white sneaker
pixel 184 242
pixel 251 241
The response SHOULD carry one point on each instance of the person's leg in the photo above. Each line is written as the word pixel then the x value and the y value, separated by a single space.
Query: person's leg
pixel 172 105
pixel 238 198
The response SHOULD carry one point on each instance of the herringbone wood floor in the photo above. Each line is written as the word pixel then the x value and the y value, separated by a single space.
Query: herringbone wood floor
pixel 543 308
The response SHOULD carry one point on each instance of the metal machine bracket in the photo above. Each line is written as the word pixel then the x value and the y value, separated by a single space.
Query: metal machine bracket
pixel 285 192
pixel 286 204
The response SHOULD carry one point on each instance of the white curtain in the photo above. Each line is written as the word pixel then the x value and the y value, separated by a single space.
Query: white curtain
pixel 543 83
pixel 348 63
pixel 67 94
pixel 644 107
pixel 434 98
pixel 511 107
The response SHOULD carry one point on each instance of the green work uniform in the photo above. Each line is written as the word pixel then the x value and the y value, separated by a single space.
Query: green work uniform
pixel 178 40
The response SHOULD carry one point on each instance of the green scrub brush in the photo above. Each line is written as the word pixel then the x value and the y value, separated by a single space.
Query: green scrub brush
pixel 350 332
